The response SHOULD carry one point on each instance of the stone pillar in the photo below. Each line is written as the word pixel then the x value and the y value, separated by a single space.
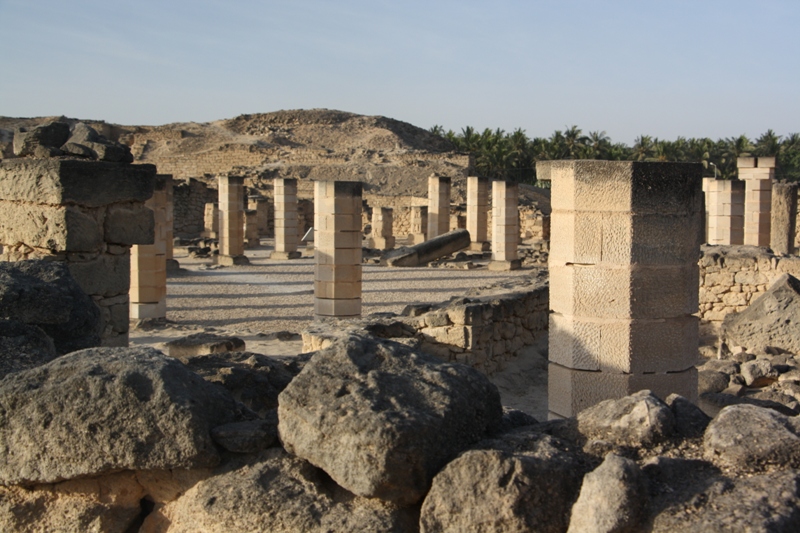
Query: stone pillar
pixel 725 211
pixel 337 242
pixel 251 229
pixel 287 225
pixel 505 226
pixel 231 221
pixel 477 213
pixel 86 214
pixel 172 263
pixel 438 205
pixel 419 224
pixel 148 292
pixel 211 221
pixel 261 206
pixel 784 217
pixel 623 280
pixel 757 174
pixel 382 221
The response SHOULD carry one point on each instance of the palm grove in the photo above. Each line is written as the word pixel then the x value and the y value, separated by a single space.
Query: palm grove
pixel 512 156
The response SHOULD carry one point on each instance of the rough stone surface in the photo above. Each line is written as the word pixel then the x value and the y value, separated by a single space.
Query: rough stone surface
pixel 638 419
pixel 711 381
pixel 750 438
pixel 690 420
pixel 23 347
pixel 758 373
pixel 500 487
pixel 107 409
pixel 250 436
pixel 613 498
pixel 51 135
pixel 202 344
pixel 771 322
pixel 382 419
pixel 278 493
pixel 44 294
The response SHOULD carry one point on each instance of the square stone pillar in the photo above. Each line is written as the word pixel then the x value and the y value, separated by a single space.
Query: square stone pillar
pixel 287 225
pixel 419 224
pixel 725 211
pixel 231 221
pixel 505 226
pixel 148 292
pixel 261 206
pixel 758 173
pixel 783 225
pixel 382 222
pixel 477 213
pixel 169 229
pixel 337 242
pixel 211 221
pixel 251 228
pixel 438 205
pixel 623 280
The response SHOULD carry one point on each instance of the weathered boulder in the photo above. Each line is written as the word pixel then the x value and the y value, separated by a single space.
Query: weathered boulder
pixel 249 436
pixel 613 498
pixel 771 323
pixel 711 381
pixel 202 344
pixel 253 379
pixel 45 294
pixel 690 420
pixel 750 438
pixel 51 135
pixel 382 419
pixel 758 373
pixel 23 346
pixel 523 481
pixel 103 410
pixel 640 419
pixel 278 493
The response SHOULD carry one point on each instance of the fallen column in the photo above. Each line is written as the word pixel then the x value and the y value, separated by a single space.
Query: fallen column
pixel 337 242
pixel 430 250
pixel 623 280
pixel 505 226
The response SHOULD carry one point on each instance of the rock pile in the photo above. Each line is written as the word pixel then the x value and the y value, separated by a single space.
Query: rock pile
pixel 58 139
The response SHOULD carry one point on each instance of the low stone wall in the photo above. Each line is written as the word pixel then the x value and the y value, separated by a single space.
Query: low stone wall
pixel 731 277
pixel 189 199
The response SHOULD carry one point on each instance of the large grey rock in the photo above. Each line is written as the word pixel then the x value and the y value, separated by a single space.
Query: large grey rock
pixel 690 420
pixel 613 499
pixel 382 419
pixel 44 294
pixel 51 135
pixel 748 438
pixel 523 481
pixel 758 373
pixel 103 410
pixel 278 493
pixel 639 419
pixel 772 322
pixel 23 347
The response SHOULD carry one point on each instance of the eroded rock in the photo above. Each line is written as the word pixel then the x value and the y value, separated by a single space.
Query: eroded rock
pixel 640 419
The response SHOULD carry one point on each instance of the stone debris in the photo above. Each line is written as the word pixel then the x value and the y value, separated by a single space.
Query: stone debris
pixel 58 139
pixel 203 344
pixel 430 250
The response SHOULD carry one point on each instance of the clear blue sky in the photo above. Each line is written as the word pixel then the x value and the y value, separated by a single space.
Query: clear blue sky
pixel 665 68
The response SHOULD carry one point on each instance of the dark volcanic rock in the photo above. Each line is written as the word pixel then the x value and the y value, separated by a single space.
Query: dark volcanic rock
pixel 23 347
pixel 51 135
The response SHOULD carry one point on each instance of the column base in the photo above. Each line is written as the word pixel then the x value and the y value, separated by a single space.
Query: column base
pixel 337 307
pixel 416 238
pixel 514 264
pixel 285 255
pixel 232 260
pixel 140 311
pixel 480 246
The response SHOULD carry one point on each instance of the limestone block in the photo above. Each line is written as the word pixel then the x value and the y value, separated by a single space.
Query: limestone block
pixel 623 346
pixel 571 391
pixel 69 181
pixel 141 311
pixel 336 273
pixel 350 222
pixel 336 239
pixel 56 228
pixel 338 256
pixel 325 307
pixel 504 264
pixel 107 275
pixel 129 224
pixel 383 243
pixel 746 162
pixel 337 289
pixel 147 294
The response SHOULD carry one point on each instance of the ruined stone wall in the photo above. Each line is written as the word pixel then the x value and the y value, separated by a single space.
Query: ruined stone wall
pixel 226 159
pixel 190 198
pixel 86 214
pixel 731 277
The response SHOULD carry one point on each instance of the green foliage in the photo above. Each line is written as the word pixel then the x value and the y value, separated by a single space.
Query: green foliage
pixel 512 156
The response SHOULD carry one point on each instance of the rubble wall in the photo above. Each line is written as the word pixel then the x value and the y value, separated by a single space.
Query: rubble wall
pixel 190 198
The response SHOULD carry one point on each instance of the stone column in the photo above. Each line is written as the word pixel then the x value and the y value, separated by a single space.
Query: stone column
pixel 438 205
pixel 287 225
pixel 231 221
pixel 211 221
pixel 757 174
pixel 172 263
pixel 725 209
pixel 337 242
pixel 148 292
pixel 85 214
pixel 505 226
pixel 477 213
pixel 623 280
pixel 261 206
pixel 419 224
pixel 784 217
pixel 251 228
pixel 382 221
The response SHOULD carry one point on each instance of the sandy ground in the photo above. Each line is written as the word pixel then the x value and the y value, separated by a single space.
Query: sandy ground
pixel 254 302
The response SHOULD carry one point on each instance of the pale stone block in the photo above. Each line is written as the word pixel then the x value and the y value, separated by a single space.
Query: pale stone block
pixel 746 162
pixel 141 311
pixel 147 294
pixel 337 290
pixel 338 256
pixel 505 264
pixel 571 391
pixel 383 243
pixel 336 239
pixel 765 162
pixel 337 273
pixel 325 222
pixel 331 307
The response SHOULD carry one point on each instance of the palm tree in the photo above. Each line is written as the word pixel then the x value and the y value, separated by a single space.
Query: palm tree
pixel 768 145
pixel 643 148
pixel 599 145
